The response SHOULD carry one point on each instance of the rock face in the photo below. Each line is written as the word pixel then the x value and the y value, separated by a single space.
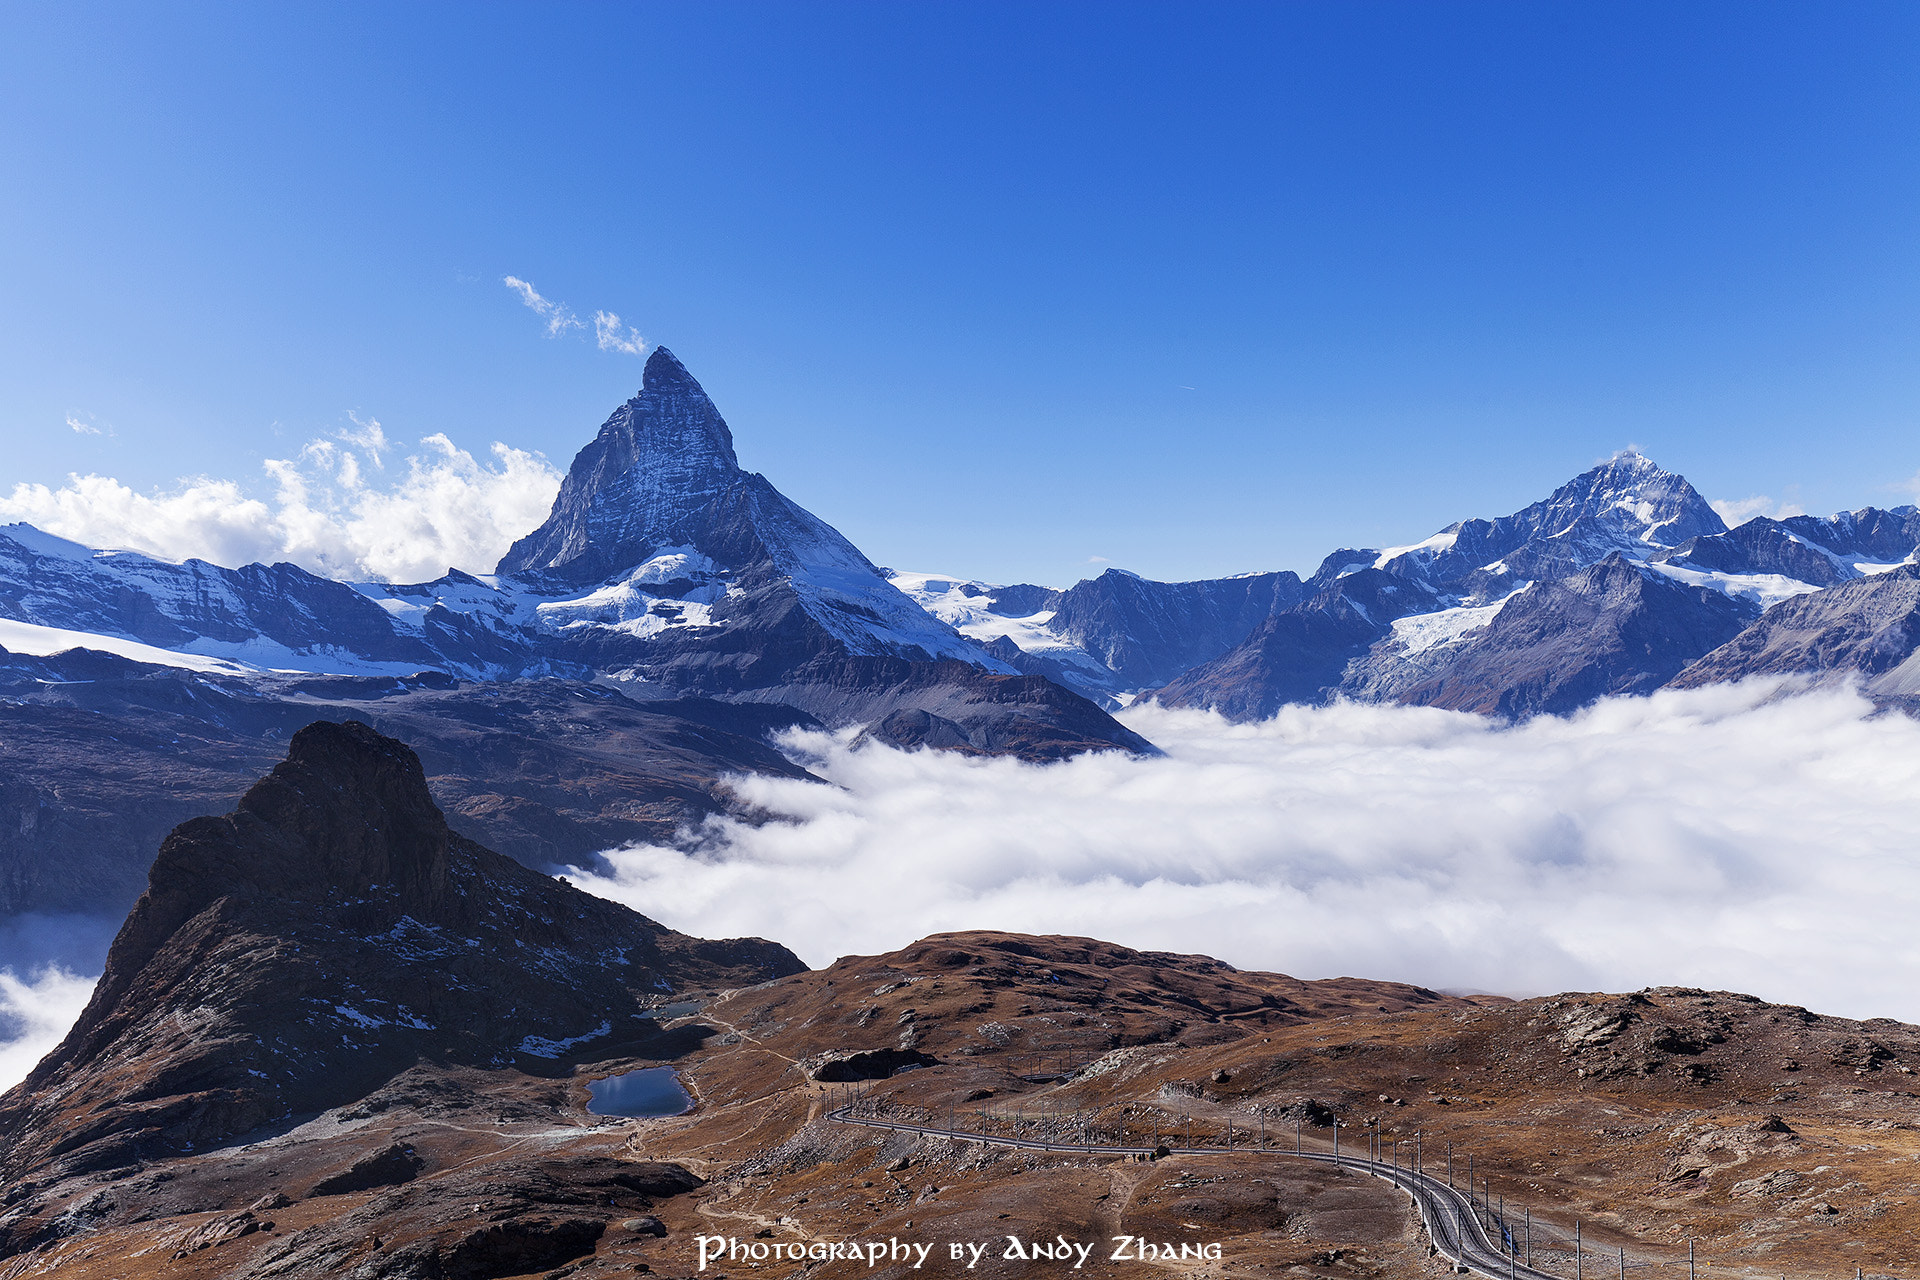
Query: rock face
pixel 1816 551
pixel 728 582
pixel 327 934
pixel 1147 632
pixel 650 479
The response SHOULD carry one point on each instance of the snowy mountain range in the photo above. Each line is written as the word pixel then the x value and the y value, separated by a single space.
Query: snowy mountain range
pixel 666 570
pixel 1621 581
pixel 674 609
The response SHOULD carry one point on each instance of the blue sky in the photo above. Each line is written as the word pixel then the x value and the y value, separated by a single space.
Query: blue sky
pixel 995 288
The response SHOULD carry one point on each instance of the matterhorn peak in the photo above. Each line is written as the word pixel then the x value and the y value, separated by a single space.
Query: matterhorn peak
pixel 663 369
pixel 657 463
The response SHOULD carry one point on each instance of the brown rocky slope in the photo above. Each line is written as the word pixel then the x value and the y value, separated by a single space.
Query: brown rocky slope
pixel 1780 1141
pixel 326 935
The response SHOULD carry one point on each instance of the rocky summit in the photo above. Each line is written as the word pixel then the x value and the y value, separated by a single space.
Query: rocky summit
pixel 328 934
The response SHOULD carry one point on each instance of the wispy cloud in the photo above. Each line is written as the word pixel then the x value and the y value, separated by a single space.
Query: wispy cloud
pixel 1737 511
pixel 446 509
pixel 1724 837
pixel 82 428
pixel 607 332
pixel 559 319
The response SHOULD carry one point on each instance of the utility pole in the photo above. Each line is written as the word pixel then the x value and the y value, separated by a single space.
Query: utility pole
pixel 1449 1163
pixel 1530 1239
pixel 1336 1142
pixel 1856 1270
pixel 1623 1264
pixel 1296 1135
pixel 1577 1257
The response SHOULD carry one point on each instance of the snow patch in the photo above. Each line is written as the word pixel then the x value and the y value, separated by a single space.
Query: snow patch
pixel 42 642
pixel 541 1047
pixel 1763 589
pixel 1422 631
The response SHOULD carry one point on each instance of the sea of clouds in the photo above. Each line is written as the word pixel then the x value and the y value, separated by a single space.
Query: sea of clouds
pixel 1728 837
pixel 348 506
pixel 1739 837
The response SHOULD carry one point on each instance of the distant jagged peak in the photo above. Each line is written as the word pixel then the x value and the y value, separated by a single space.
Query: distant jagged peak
pixel 1632 493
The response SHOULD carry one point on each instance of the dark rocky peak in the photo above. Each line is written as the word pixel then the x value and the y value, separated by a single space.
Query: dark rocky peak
pixel 327 934
pixel 1148 632
pixel 641 484
pixel 1870 533
pixel 346 813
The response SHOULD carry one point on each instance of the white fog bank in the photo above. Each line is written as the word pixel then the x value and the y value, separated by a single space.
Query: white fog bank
pixel 1722 837
pixel 36 1012
pixel 1726 837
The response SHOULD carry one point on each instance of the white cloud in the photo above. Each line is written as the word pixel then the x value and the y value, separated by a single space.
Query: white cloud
pixel 559 319
pixel 1722 837
pixel 35 1013
pixel 446 509
pixel 80 428
pixel 1737 511
pixel 608 332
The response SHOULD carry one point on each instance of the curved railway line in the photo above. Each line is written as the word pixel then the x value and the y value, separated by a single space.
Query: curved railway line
pixel 1451 1217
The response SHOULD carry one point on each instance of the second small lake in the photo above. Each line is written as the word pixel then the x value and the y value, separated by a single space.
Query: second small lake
pixel 651 1091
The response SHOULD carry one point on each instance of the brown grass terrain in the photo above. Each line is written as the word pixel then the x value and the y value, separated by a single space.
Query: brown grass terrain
pixel 1781 1142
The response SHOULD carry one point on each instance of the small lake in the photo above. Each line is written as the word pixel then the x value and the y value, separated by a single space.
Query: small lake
pixel 652 1091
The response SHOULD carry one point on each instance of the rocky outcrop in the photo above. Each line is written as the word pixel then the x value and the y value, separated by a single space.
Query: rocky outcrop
pixel 327 934
pixel 1819 551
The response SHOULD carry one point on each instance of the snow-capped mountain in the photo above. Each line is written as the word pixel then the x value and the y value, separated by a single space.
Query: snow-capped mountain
pixel 1615 583
pixel 1626 505
pixel 677 542
pixel 664 569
